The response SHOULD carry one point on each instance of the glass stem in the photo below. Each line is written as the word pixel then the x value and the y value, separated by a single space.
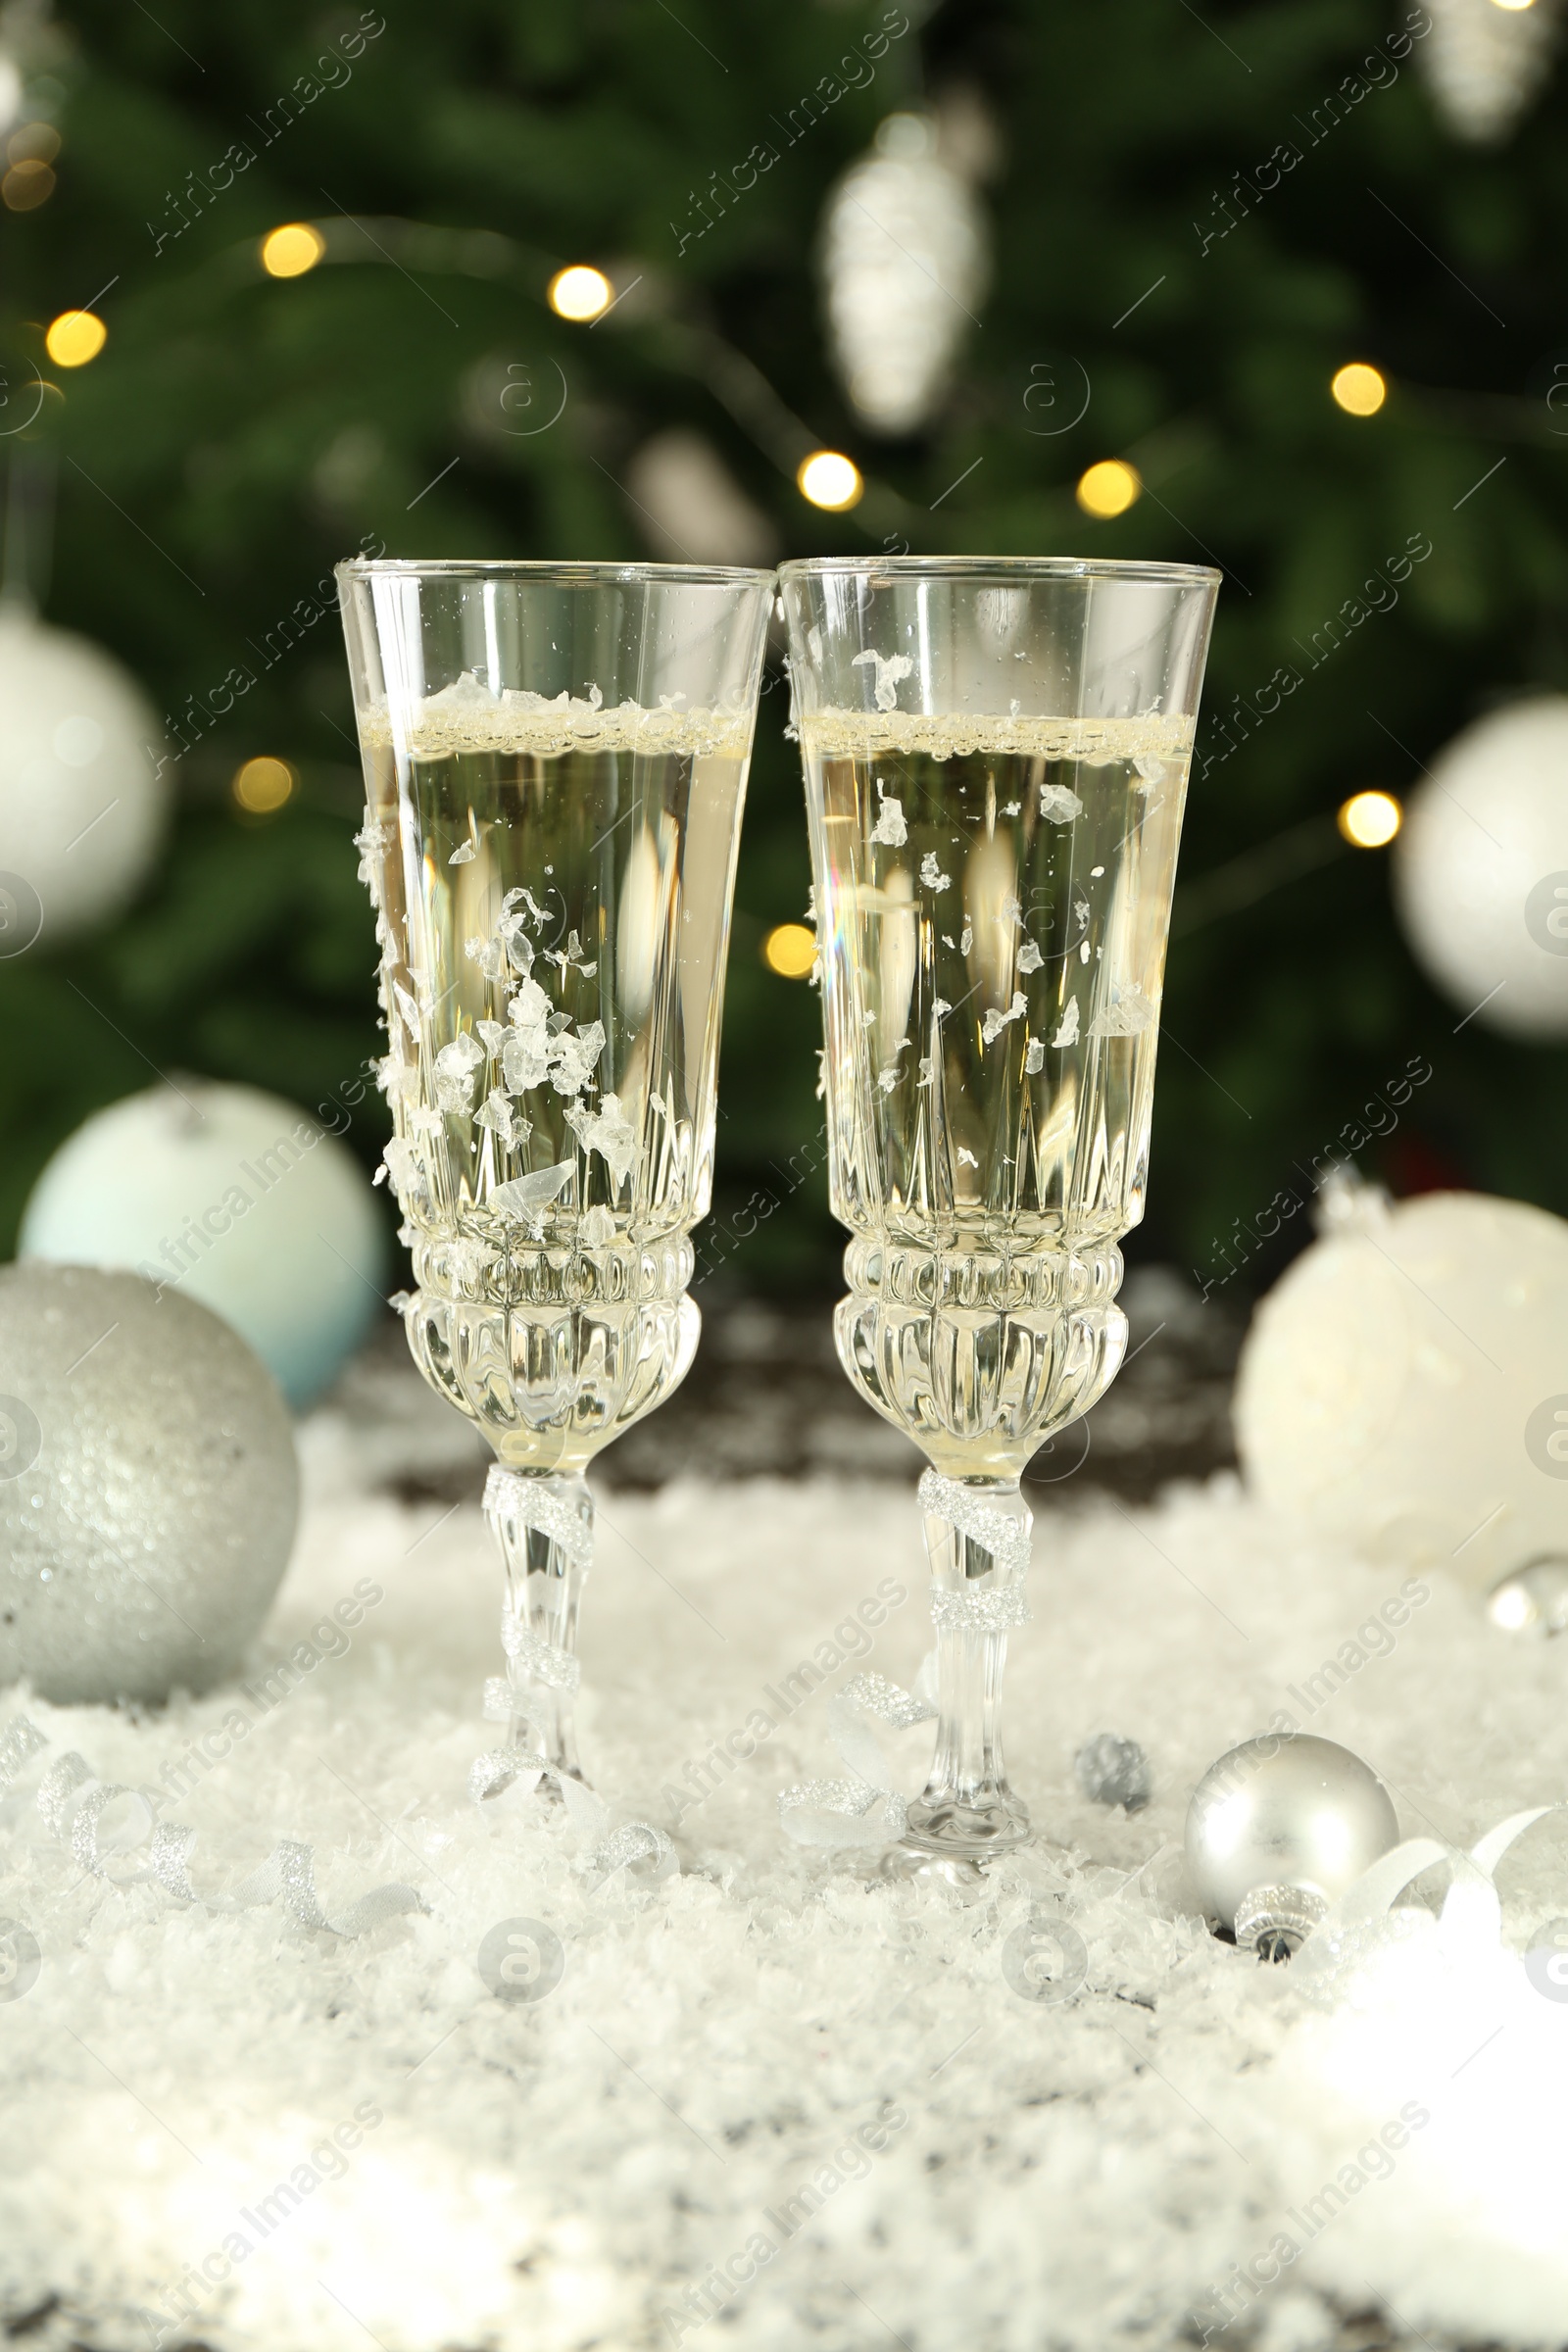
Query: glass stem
pixel 544 1522
pixel 977 1536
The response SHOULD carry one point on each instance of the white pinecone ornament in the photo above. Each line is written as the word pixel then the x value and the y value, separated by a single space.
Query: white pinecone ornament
pixel 905 265
pixel 1484 61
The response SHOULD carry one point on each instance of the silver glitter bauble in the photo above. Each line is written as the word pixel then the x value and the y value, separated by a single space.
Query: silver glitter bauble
pixel 1278 1829
pixel 148 1487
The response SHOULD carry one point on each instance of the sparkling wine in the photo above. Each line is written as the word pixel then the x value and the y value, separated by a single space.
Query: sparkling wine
pixel 996 898
pixel 553 882
pixel 992 903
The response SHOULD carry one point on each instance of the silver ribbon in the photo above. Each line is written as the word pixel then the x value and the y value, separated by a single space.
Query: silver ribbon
pixel 540 1660
pixel 71 1803
pixel 1364 1921
pixel 1006 1539
pixel 530 1502
pixel 866 1808
pixel 603 1853
pixel 957 1611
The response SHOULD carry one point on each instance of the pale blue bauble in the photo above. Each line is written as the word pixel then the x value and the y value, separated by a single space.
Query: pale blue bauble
pixel 230 1197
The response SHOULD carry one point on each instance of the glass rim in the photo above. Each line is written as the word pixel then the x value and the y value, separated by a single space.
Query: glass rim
pixel 579 573
pixel 1024 567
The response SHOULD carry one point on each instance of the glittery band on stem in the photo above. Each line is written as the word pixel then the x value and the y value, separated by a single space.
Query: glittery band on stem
pixel 1006 1539
pixel 531 1503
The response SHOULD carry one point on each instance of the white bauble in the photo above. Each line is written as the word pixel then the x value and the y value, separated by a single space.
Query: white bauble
pixel 1404 1385
pixel 148 1488
pixel 233 1196
pixel 905 265
pixel 1481 871
pixel 691 505
pixel 84 795
pixel 1484 61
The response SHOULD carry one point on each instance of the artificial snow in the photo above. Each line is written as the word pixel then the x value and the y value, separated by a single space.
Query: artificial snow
pixel 772 2101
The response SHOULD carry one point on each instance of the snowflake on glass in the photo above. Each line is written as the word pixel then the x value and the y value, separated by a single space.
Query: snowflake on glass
pixel 608 1132
pixel 889 668
pixel 996 1021
pixel 889 828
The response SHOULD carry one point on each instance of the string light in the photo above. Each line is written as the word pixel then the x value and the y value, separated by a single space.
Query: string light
pixel 1369 821
pixel 262 785
pixel 289 250
pixel 27 185
pixel 1109 488
pixel 790 950
pixel 579 293
pixel 830 481
pixel 33 143
pixel 74 338
pixel 1359 390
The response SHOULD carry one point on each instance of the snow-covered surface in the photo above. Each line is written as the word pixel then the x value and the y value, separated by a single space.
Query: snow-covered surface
pixel 567 2171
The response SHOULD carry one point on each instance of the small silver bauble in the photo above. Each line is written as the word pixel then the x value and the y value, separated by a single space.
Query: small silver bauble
pixel 1533 1600
pixel 148 1487
pixel 1113 1771
pixel 1280 1827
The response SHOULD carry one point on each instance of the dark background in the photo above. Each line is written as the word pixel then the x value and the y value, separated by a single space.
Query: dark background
pixel 243 433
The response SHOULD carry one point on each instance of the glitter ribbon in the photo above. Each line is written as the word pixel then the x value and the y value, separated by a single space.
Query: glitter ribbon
pixel 961 1612
pixel 1006 1539
pixel 71 1803
pixel 540 1660
pixel 865 1809
pixel 530 1502
pixel 603 1853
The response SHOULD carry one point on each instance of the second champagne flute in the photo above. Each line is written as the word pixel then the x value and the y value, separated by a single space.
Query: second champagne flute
pixel 995 761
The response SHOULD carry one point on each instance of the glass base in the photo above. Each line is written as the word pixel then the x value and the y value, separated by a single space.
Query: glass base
pixel 952 1832
pixel 914 1862
pixel 952 1845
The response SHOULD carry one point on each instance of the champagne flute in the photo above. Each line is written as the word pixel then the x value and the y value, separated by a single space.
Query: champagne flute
pixel 554 760
pixel 995 757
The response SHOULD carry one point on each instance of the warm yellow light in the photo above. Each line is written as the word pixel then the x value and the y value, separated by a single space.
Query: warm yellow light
pixel 579 292
pixel 1369 821
pixel 1513 4
pixel 74 338
pixel 790 949
pixel 1359 390
pixel 1109 488
pixel 829 480
pixel 27 185
pixel 33 143
pixel 289 250
pixel 262 785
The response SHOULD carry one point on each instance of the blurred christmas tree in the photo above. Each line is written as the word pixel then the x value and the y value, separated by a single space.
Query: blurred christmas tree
pixel 1196 221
